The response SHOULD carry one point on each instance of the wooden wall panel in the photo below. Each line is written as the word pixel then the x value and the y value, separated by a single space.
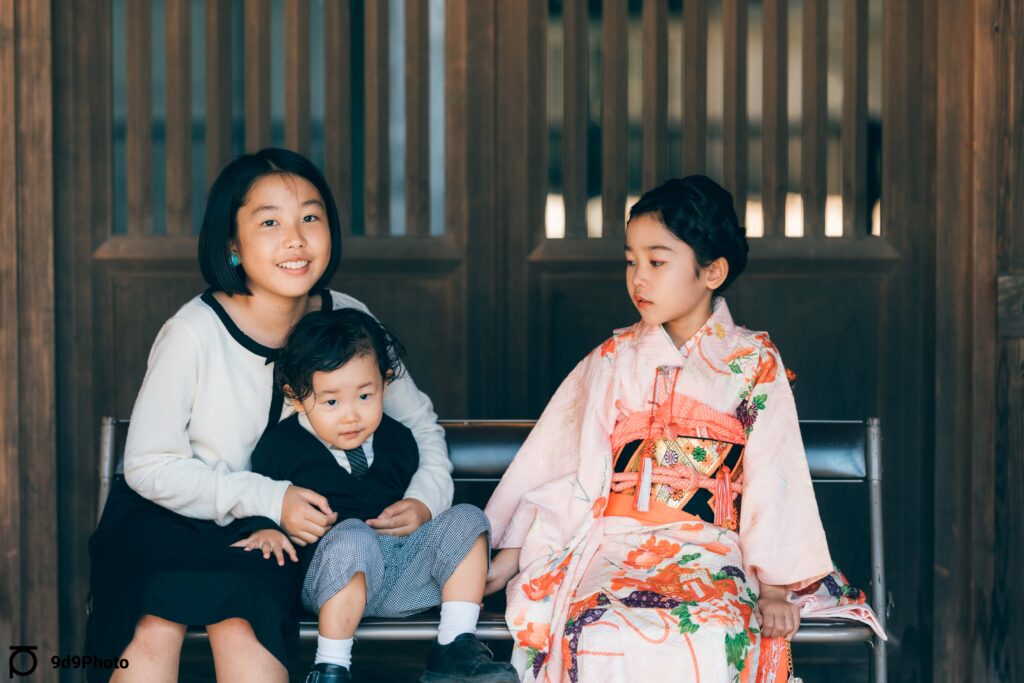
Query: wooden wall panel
pixel 10 461
pixel 424 311
pixel 997 437
pixel 82 164
pixel 825 311
pixel 29 590
pixel 908 418
pixel 37 361
pixel 521 184
pixel 828 333
pixel 576 306
pixel 141 301
pixel 953 373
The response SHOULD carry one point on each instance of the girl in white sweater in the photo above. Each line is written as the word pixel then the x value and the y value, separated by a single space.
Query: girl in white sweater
pixel 161 557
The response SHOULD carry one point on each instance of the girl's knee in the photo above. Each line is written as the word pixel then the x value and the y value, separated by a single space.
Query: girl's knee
pixel 158 636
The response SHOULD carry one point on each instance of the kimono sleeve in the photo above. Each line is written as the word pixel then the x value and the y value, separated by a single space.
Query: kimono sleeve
pixel 536 496
pixel 781 536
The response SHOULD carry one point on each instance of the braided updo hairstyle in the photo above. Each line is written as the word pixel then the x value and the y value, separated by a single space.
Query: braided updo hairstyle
pixel 700 212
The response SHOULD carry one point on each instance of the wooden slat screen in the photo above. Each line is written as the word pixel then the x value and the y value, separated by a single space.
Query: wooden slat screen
pixel 355 70
pixel 601 138
pixel 795 168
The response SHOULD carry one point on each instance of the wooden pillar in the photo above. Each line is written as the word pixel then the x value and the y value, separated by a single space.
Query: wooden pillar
pixel 979 431
pixel 28 449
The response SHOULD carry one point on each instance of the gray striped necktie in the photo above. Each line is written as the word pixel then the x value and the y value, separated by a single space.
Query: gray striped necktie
pixel 357 461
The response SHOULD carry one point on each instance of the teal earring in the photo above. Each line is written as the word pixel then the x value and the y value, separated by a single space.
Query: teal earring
pixel 235 261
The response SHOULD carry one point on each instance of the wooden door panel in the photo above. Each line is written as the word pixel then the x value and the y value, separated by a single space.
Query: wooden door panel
pixel 139 305
pixel 827 330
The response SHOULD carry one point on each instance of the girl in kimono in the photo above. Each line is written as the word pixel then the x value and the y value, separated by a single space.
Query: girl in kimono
pixel 661 510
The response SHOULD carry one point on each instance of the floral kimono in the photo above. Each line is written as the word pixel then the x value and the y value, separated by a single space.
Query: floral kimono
pixel 659 487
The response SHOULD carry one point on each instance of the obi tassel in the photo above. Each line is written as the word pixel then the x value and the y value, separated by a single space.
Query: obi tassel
pixel 724 516
pixel 642 500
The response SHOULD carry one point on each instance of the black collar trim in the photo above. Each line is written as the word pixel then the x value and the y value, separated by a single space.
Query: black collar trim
pixel 247 342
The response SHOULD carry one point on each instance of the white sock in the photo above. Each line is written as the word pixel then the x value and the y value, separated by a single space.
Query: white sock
pixel 334 651
pixel 457 618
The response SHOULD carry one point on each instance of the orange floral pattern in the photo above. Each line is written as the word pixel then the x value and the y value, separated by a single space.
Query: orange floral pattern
pixel 534 635
pixel 545 584
pixel 651 553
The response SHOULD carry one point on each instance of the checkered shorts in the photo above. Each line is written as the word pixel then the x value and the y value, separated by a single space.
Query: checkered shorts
pixel 404 574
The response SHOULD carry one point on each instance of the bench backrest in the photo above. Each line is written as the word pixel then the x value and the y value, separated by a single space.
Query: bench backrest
pixel 844 457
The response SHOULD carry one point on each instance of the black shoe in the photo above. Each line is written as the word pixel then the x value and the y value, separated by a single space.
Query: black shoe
pixel 466 660
pixel 328 673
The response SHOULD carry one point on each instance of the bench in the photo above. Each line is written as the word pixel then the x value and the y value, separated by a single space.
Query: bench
pixel 845 453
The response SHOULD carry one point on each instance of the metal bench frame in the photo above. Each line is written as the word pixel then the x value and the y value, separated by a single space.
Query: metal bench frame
pixel 492 625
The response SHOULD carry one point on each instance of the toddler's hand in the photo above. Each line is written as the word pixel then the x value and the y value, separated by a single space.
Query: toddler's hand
pixel 401 518
pixel 779 618
pixel 504 566
pixel 269 541
pixel 306 515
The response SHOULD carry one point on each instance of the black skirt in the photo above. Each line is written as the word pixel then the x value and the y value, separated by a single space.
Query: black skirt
pixel 146 559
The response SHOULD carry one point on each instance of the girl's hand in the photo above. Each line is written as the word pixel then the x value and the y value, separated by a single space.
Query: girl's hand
pixel 269 541
pixel 779 618
pixel 306 515
pixel 401 518
pixel 504 566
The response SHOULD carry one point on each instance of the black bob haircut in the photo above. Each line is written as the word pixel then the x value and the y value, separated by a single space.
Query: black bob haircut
pixel 700 212
pixel 323 341
pixel 229 193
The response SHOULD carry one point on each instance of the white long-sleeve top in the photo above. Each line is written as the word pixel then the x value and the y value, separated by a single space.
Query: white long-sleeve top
pixel 204 403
